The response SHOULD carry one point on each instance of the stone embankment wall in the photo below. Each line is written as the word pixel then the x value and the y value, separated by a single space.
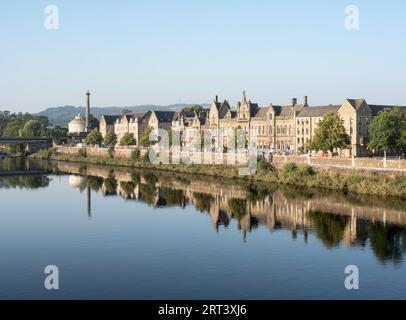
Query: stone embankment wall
pixel 374 164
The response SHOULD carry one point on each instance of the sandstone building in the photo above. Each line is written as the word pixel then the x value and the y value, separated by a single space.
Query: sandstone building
pixel 277 128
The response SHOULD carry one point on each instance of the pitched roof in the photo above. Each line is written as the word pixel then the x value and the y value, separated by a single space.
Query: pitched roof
pixel 110 119
pixel 319 111
pixel 253 108
pixel 375 109
pixel 356 103
pixel 261 112
pixel 141 116
pixel 225 106
pixel 165 116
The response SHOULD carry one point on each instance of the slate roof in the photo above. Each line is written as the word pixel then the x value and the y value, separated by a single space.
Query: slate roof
pixel 261 113
pixel 165 116
pixel 287 111
pixel 356 103
pixel 225 106
pixel 375 109
pixel 318 111
pixel 110 119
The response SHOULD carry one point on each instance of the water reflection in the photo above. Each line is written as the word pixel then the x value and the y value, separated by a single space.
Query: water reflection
pixel 336 219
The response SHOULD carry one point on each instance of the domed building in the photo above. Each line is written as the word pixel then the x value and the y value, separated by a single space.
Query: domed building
pixel 77 126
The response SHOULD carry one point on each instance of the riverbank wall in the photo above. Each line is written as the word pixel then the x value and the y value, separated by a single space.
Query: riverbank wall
pixel 376 182
pixel 278 161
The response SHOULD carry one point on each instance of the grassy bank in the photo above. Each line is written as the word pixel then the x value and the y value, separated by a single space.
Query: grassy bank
pixel 374 183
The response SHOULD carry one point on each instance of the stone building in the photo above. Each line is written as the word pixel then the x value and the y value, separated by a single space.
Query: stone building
pixel 276 128
pixel 135 123
pixel 106 124
pixel 77 126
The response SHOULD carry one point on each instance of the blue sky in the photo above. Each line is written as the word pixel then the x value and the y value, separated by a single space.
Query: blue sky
pixel 163 52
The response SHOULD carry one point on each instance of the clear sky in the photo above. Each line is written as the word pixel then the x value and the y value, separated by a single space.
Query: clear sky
pixel 162 52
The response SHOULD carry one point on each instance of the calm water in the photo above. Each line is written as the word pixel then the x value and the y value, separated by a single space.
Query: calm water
pixel 121 233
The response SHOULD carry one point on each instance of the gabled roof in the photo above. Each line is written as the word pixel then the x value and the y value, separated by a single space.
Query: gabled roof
pixel 356 103
pixel 225 106
pixel 141 116
pixel 319 111
pixel 253 108
pixel 165 116
pixel 109 119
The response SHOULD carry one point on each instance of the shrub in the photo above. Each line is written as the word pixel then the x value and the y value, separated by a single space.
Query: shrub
pixel 305 170
pixel 136 154
pixel 289 167
pixel 110 152
pixel 82 152
pixel 264 166
pixel 145 157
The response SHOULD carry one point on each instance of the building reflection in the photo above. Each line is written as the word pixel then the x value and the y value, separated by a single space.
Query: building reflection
pixel 335 219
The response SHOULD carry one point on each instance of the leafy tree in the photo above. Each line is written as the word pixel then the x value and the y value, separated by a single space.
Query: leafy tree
pixel 58 132
pixel 94 137
pixel 388 131
pixel 93 122
pixel 110 139
pixel 194 108
pixel 128 140
pixel 13 128
pixel 144 141
pixel 125 111
pixel 33 128
pixel 330 135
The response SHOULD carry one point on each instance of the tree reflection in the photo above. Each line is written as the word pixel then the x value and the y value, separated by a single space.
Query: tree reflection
pixel 388 242
pixel 94 183
pixel 110 184
pixel 328 227
pixel 25 182
pixel 203 201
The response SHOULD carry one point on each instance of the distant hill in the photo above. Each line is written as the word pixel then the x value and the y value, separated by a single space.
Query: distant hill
pixel 60 116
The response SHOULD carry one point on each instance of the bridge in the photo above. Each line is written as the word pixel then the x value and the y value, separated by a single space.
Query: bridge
pixel 29 144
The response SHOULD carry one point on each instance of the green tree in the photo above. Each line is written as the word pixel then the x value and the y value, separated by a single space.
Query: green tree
pixel 93 122
pixel 144 141
pixel 13 128
pixel 194 108
pixel 388 131
pixel 33 128
pixel 125 111
pixel 110 139
pixel 329 135
pixel 94 137
pixel 128 140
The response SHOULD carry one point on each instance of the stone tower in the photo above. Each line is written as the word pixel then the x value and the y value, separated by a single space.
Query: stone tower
pixel 87 110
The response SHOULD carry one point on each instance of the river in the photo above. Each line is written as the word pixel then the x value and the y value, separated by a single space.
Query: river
pixel 121 233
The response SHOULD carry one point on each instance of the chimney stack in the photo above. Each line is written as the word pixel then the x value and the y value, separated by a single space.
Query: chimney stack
pixel 217 98
pixel 87 110
pixel 294 102
pixel 305 100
